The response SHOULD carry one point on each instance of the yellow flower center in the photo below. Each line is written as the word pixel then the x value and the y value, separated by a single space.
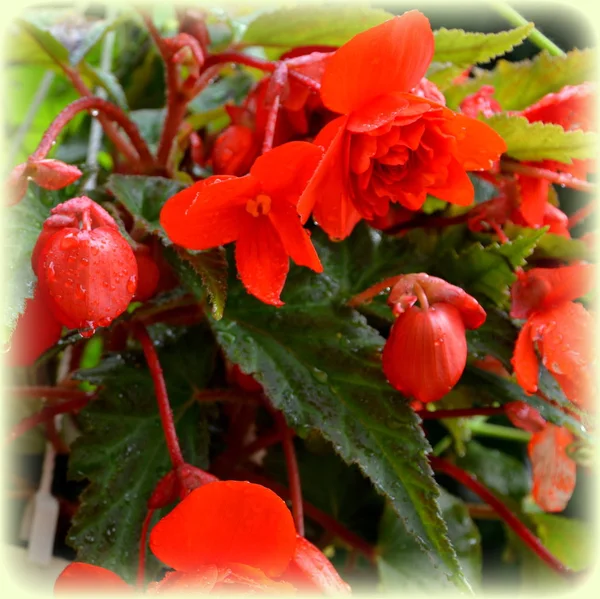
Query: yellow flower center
pixel 259 206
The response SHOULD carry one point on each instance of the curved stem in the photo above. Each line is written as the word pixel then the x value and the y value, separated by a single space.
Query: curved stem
pixel 581 214
pixel 368 294
pixel 421 296
pixel 542 173
pixel 92 103
pixel 162 398
pixel 502 510
pixel 141 573
pixel 536 36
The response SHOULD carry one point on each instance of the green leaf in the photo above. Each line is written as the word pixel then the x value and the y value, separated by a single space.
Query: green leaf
pixel 464 48
pixel 231 89
pixel 23 223
pixel 108 81
pixel 402 565
pixel 489 271
pixel 518 85
pixel 149 122
pixel 443 74
pixel 319 362
pixel 122 450
pixel 326 25
pixel 200 272
pixel 144 197
pixel 45 40
pixel 542 141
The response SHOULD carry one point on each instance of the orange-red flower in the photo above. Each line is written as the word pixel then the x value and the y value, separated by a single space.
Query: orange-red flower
pixel 559 327
pixel 426 351
pixel 257 211
pixel 396 141
pixel 226 536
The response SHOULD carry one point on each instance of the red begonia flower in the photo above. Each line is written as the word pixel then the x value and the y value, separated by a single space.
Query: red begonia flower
pixel 79 578
pixel 257 211
pixel 562 335
pixel 541 288
pixel 554 472
pixel 426 351
pixel 481 102
pixel 223 523
pixel 396 141
pixel 524 416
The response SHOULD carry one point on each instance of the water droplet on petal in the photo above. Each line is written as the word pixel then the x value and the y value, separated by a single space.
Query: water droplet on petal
pixel 132 284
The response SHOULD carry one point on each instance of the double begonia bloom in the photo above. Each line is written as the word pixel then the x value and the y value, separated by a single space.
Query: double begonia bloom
pixel 225 536
pixel 559 327
pixel 396 141
pixel 257 211
pixel 553 471
pixel 426 351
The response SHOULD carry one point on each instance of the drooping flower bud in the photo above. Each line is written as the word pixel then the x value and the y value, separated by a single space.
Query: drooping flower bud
pixel 148 276
pixel 426 351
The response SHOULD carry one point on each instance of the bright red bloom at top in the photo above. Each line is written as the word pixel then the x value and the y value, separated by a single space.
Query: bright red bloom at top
pixel 396 141
pixel 559 327
pixel 426 351
pixel 227 535
pixel 257 211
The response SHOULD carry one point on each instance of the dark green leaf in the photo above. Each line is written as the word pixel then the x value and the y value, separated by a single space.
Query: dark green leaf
pixel 467 48
pixel 150 122
pixel 231 89
pixel 402 565
pixel 303 26
pixel 109 82
pixel 542 141
pixel 122 449
pixel 319 362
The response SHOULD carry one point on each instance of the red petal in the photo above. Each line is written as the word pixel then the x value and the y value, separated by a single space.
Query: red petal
pixel 391 57
pixel 198 581
pixel 208 213
pixel 378 112
pixel 524 361
pixel 457 189
pixel 295 239
pixel 310 571
pixel 261 260
pixel 227 522
pixel 239 578
pixel 426 352
pixel 554 472
pixel 534 198
pixel 284 171
pixel 85 578
pixel 327 192
pixel 525 417
pixel 479 146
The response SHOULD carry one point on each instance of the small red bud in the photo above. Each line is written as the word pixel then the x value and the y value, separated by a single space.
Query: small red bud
pixel 148 276
pixel 234 151
pixel 54 174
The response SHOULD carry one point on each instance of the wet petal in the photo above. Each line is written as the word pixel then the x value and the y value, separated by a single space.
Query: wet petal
pixel 227 522
pixel 524 361
pixel 534 198
pixel 391 57
pixel 457 189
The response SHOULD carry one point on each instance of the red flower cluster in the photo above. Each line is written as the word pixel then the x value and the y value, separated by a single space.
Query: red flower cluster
pixel 224 536
pixel 558 326
pixel 426 351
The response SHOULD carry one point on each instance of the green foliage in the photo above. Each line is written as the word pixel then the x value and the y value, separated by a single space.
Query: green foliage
pixel 331 380
pixel 518 85
pixel 542 141
pixel 122 451
pixel 464 48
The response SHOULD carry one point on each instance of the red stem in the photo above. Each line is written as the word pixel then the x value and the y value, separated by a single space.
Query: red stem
pixel 459 413
pixel 162 398
pixel 141 573
pixel 71 405
pixel 93 103
pixel 48 393
pixel 542 173
pixel 515 524
pixel 581 214
pixel 60 447
pixel 263 442
pixel 291 464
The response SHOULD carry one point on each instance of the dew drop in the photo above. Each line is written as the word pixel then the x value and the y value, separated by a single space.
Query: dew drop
pixel 80 292
pixel 132 284
pixel 94 113
pixel 51 273
pixel 68 242
pixel 87 333
pixel 319 375
pixel 84 262
pixel 104 322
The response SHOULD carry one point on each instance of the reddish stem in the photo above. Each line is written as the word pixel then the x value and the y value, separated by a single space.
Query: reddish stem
pixel 162 397
pixel 71 405
pixel 270 125
pixel 60 447
pixel 291 464
pixel 51 393
pixel 581 214
pixel 92 103
pixel 542 173
pixel 141 573
pixel 263 442
pixel 228 395
pixel 368 294
pixel 459 413
pixel 515 524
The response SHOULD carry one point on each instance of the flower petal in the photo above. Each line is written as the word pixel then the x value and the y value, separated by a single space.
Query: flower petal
pixel 534 198
pixel 227 522
pixel 207 214
pixel 295 239
pixel 310 571
pixel 554 472
pixel 261 260
pixel 524 360
pixel 284 171
pixel 85 578
pixel 391 57
pixel 457 188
